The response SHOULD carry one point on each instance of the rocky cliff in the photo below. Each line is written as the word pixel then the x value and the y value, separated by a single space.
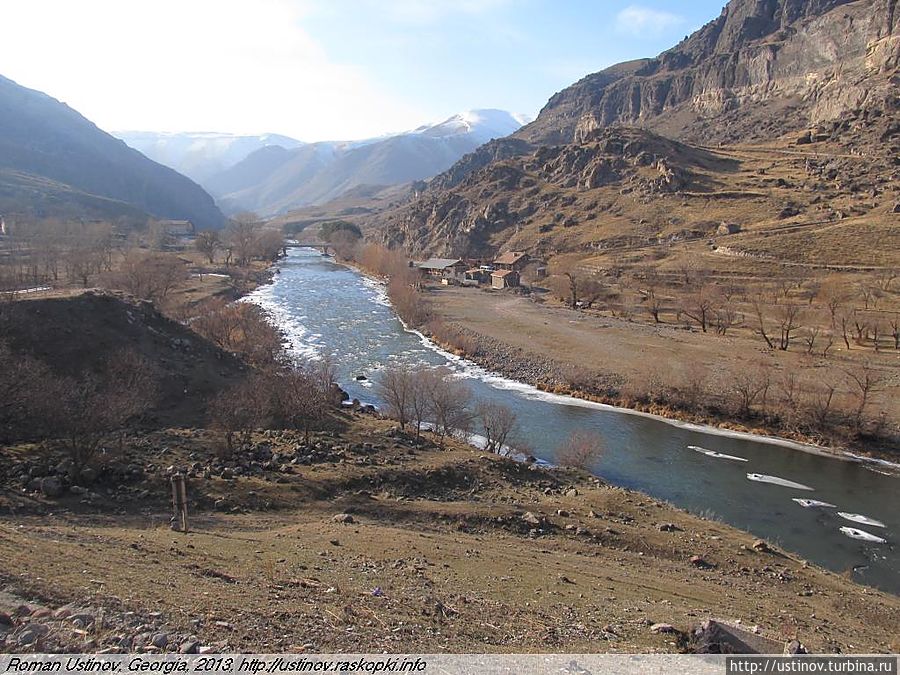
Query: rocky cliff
pixel 762 68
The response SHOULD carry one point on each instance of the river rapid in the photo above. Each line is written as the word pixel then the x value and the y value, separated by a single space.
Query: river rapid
pixel 326 309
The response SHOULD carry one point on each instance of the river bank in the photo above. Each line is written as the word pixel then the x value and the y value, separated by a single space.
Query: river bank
pixel 629 367
pixel 365 540
pixel 329 310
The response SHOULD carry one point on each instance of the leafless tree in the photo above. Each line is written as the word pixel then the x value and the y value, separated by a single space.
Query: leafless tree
pixel 242 234
pixel 240 328
pixel 302 395
pixel 748 387
pixel 866 380
pixel 449 403
pixel 787 316
pixel 208 243
pixel 241 408
pixel 699 306
pixel 396 387
pixel 497 423
pixel 810 337
pixel 581 450
pixel 895 330
pixel 88 408
pixel 149 275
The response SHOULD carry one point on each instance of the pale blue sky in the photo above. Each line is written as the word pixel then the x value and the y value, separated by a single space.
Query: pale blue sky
pixel 322 69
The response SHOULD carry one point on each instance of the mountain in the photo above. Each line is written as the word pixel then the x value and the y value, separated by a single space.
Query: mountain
pixel 761 68
pixel 276 180
pixel 54 162
pixel 201 155
pixel 779 114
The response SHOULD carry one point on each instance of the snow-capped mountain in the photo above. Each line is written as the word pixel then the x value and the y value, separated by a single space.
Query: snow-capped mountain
pixel 276 179
pixel 200 155
pixel 481 124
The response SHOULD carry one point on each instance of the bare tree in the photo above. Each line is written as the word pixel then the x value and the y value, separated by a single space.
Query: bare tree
pixel 699 306
pixel 748 387
pixel 208 243
pixel 895 330
pixel 867 380
pixel 241 328
pixel 302 395
pixel 787 316
pixel 810 337
pixel 396 387
pixel 449 403
pixel 581 449
pixel 242 235
pixel 497 423
pixel 149 275
pixel 88 408
pixel 241 408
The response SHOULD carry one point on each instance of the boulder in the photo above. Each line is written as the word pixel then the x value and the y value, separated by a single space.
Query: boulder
pixel 51 487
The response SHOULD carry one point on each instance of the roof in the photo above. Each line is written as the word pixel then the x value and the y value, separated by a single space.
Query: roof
pixel 438 263
pixel 510 258
pixel 502 273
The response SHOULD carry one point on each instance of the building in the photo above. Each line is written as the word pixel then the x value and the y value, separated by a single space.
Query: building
pixel 476 276
pixel 512 260
pixel 443 268
pixel 501 279
pixel 178 228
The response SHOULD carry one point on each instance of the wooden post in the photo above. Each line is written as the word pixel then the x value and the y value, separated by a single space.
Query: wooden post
pixel 179 502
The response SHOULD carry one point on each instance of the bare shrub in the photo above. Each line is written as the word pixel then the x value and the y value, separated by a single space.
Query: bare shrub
pixel 88 408
pixel 581 450
pixel 240 328
pixel 396 387
pixel 208 244
pixel 497 422
pixel 866 380
pixel 302 395
pixel 449 401
pixel 148 275
pixel 241 408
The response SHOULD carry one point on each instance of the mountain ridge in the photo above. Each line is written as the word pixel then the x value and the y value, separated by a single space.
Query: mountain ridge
pixel 44 138
pixel 270 182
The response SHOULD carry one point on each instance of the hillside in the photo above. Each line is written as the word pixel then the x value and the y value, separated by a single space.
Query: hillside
pixel 272 180
pixel 759 70
pixel 54 162
pixel 81 333
pixel 201 155
pixel 596 172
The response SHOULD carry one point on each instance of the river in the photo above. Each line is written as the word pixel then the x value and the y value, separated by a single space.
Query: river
pixel 328 309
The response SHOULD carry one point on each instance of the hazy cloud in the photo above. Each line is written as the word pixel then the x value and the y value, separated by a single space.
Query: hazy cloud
pixel 645 21
pixel 203 65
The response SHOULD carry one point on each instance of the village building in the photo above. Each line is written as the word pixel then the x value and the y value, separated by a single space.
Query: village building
pixel 477 275
pixel 178 228
pixel 446 269
pixel 512 260
pixel 501 279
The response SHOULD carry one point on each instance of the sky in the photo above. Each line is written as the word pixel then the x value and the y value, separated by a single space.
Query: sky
pixel 322 69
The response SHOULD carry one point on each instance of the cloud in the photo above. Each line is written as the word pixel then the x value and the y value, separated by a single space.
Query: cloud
pixel 646 22
pixel 216 65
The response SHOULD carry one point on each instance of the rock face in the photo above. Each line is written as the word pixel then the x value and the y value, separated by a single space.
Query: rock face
pixel 505 193
pixel 761 68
